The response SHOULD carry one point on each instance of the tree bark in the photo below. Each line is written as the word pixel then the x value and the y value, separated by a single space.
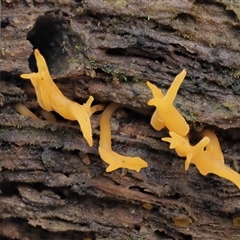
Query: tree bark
pixel 53 185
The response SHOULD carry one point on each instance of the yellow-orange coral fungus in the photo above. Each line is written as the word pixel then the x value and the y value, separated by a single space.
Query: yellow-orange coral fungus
pixel 156 122
pixel 204 161
pixel 114 159
pixel 47 115
pixel 183 147
pixel 97 108
pixel 50 98
pixel 166 114
pixel 23 110
pixel 213 148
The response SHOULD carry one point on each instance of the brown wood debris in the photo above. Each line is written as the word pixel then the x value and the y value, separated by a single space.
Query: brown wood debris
pixel 53 185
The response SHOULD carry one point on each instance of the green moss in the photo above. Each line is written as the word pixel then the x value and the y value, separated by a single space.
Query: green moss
pixel 236 74
pixel 73 60
pixel 108 68
pixel 193 116
pixel 217 107
pixel 92 62
pixel 236 86
pixel 64 49
pixel 78 47
pixel 186 36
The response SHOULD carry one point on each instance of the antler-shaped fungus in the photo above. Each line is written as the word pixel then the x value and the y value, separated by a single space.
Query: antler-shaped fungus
pixel 166 114
pixel 114 159
pixel 207 161
pixel 50 98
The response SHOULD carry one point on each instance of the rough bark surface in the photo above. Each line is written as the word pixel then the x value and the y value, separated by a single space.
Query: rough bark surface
pixel 53 185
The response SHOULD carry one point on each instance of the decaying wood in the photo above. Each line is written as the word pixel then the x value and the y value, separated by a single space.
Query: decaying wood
pixel 53 185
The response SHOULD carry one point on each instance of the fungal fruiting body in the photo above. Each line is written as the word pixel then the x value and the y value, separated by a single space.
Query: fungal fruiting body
pixel 182 220
pixel 23 110
pixel 236 221
pixel 206 155
pixel 50 98
pixel 48 115
pixel 96 108
pixel 166 114
pixel 206 161
pixel 183 147
pixel 114 159
pixel 156 122
pixel 148 206
pixel 213 148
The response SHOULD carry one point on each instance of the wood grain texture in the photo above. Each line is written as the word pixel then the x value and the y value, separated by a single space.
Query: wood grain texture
pixel 109 49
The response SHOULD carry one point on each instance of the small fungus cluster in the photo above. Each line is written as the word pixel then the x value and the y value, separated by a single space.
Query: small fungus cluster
pixel 206 154
pixel 50 98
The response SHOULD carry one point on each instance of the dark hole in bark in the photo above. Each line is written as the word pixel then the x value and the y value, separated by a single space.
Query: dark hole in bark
pixel 161 235
pixel 134 52
pixel 184 17
pixel 56 41
pixel 4 22
pixel 137 227
pixel 8 188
